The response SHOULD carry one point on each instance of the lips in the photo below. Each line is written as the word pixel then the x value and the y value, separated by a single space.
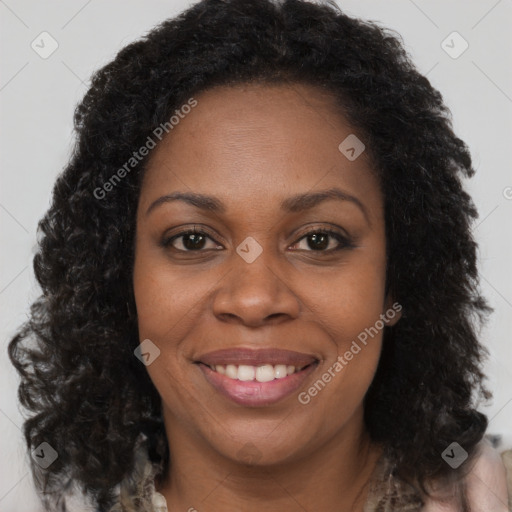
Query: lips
pixel 220 370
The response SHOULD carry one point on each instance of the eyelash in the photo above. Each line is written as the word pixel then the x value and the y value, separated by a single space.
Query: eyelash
pixel 345 243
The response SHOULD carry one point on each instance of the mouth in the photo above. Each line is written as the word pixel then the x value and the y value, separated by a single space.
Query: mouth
pixel 263 373
pixel 256 377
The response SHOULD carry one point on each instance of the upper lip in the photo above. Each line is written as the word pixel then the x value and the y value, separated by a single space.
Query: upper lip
pixel 254 357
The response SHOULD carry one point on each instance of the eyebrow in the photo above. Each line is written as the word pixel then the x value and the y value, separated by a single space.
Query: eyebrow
pixel 293 204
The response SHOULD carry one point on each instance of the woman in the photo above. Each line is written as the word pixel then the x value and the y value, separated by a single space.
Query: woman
pixel 259 280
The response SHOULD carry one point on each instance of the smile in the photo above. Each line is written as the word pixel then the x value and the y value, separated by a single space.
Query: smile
pixel 279 382
pixel 264 373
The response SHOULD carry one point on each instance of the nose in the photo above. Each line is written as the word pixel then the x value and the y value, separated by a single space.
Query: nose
pixel 255 294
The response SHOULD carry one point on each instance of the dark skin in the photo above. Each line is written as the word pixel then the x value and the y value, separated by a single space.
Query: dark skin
pixel 253 146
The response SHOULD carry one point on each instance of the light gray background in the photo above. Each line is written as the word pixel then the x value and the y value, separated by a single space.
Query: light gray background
pixel 38 96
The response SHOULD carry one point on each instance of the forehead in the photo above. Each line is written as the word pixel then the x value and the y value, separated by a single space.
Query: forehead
pixel 249 140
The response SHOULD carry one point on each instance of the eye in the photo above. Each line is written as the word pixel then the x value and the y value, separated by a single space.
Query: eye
pixel 320 240
pixel 190 240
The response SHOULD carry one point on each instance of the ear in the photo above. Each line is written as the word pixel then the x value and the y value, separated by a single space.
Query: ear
pixel 392 310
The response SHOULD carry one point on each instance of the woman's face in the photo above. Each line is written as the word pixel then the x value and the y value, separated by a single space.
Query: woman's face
pixel 257 287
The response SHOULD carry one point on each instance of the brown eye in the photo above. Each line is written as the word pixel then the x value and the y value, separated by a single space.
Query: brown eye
pixel 190 241
pixel 320 240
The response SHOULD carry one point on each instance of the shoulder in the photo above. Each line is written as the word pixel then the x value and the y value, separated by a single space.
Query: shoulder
pixel 487 483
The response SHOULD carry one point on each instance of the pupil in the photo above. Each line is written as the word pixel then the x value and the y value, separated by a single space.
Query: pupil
pixel 322 238
pixel 196 241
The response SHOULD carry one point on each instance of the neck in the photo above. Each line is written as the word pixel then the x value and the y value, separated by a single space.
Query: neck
pixel 333 476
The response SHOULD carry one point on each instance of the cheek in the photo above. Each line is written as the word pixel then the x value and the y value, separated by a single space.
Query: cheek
pixel 164 296
pixel 350 298
pixel 165 302
pixel 348 305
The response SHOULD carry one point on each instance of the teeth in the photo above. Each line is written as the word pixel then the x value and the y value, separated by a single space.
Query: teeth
pixel 231 371
pixel 246 372
pixel 264 373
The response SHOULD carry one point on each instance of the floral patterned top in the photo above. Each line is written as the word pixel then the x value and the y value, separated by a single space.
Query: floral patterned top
pixel 387 493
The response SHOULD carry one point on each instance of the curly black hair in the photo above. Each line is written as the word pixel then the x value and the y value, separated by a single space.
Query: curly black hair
pixel 90 398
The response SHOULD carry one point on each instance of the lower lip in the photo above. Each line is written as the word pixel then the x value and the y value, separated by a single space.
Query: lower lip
pixel 253 393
